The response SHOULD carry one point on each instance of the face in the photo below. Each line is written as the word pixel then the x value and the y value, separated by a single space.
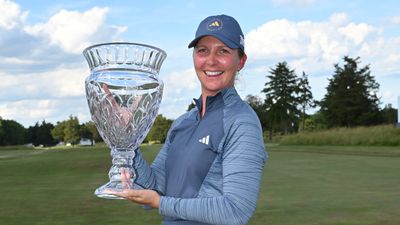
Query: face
pixel 216 65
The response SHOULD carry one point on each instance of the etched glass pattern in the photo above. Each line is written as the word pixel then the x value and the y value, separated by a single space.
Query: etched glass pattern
pixel 123 93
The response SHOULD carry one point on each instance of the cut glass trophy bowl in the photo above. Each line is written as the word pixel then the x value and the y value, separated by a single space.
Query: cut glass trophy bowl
pixel 123 92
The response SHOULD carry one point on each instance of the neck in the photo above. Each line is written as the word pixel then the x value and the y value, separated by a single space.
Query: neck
pixel 204 96
pixel 203 103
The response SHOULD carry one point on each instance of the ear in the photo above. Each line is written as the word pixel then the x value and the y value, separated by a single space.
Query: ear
pixel 242 62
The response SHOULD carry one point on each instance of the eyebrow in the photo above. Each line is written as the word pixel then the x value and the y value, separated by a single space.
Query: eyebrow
pixel 219 45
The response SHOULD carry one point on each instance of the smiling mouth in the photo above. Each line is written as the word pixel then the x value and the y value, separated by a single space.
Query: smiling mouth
pixel 213 73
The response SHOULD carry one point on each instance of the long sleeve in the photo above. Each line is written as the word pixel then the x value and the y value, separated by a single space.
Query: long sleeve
pixel 243 158
pixel 151 177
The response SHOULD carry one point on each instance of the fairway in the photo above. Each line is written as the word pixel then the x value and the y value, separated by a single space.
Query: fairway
pixel 301 185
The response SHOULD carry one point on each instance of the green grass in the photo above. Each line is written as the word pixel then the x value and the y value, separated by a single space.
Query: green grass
pixel 300 186
pixel 382 135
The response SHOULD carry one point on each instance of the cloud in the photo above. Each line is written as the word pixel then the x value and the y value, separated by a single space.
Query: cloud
pixel 21 52
pixel 73 30
pixel 45 46
pixel 338 19
pixel 316 46
pixel 27 108
pixel 58 83
pixel 357 32
pixel 286 39
pixel 11 15
pixel 180 87
pixel 53 95
pixel 42 70
pixel 52 110
pixel 396 20
pixel 181 82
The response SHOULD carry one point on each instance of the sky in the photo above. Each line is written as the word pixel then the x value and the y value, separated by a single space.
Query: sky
pixel 42 69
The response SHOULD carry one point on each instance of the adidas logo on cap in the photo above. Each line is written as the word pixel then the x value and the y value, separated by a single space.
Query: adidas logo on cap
pixel 215 24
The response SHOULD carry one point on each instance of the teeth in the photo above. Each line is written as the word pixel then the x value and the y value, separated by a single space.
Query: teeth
pixel 213 73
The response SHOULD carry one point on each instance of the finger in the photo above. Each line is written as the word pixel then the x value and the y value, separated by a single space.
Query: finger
pixel 124 181
pixel 123 176
pixel 109 95
pixel 105 88
pixel 128 194
pixel 127 177
pixel 115 193
pixel 126 115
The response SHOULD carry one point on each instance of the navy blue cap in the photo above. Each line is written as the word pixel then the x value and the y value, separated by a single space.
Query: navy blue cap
pixel 223 27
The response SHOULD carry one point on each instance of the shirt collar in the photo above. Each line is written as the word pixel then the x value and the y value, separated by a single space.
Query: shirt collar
pixel 216 101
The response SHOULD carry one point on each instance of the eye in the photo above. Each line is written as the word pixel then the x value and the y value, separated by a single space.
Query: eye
pixel 201 50
pixel 224 51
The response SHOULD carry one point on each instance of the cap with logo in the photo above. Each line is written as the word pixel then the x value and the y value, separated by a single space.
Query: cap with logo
pixel 223 27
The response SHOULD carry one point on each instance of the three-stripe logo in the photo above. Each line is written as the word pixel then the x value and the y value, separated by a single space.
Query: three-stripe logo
pixel 205 140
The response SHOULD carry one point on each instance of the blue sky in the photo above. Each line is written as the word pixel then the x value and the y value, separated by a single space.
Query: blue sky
pixel 42 70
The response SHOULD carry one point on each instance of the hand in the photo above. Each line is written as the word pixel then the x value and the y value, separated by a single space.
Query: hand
pixel 145 197
pixel 123 113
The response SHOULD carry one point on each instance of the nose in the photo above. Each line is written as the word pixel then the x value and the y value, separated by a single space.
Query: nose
pixel 212 59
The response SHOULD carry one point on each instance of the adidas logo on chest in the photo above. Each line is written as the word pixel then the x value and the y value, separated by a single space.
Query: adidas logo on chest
pixel 205 140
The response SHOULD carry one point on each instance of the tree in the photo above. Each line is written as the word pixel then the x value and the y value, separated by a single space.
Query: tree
pixel 351 98
pixel 89 130
pixel 58 131
pixel 43 134
pixel 159 130
pixel 305 97
pixel 281 99
pixel 93 129
pixel 71 130
pixel 1 131
pixel 12 133
pixel 389 115
pixel 191 106
pixel 32 133
pixel 257 104
pixel 315 122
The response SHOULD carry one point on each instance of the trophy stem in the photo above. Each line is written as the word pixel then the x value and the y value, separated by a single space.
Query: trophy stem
pixel 121 174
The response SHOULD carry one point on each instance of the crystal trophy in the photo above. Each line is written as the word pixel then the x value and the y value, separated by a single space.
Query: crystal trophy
pixel 123 92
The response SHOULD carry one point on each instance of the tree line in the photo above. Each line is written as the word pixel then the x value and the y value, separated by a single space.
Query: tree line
pixel 68 131
pixel 47 134
pixel 350 100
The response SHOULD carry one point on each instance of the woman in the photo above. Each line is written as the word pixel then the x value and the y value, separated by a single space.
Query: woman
pixel 210 167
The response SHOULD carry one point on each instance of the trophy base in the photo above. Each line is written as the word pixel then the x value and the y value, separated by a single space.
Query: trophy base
pixel 104 191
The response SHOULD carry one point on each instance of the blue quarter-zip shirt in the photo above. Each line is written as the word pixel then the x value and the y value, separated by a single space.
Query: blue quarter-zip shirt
pixel 209 169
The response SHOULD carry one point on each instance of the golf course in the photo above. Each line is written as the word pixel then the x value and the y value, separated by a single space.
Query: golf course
pixel 310 185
